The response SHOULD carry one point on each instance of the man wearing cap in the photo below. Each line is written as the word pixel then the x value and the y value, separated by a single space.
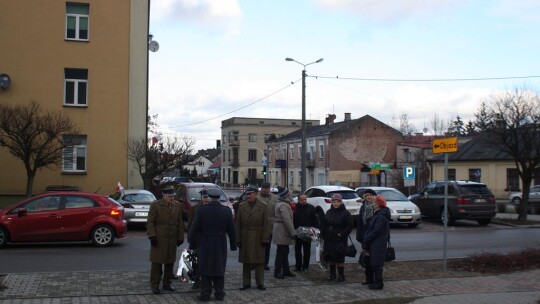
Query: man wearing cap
pixel 284 234
pixel 212 224
pixel 253 235
pixel 270 200
pixel 165 230
pixel 192 211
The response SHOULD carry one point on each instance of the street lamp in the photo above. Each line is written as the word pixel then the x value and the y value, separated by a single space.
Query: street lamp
pixel 303 177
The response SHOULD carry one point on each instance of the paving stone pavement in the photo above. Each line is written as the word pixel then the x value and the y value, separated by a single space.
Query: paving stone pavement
pixel 133 287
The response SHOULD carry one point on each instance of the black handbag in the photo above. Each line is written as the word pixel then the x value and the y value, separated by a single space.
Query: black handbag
pixel 390 253
pixel 350 250
pixel 363 260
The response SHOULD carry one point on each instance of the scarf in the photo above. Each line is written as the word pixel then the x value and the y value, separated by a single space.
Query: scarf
pixel 368 212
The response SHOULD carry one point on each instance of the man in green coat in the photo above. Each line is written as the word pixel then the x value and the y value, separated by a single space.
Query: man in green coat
pixel 253 235
pixel 269 199
pixel 165 230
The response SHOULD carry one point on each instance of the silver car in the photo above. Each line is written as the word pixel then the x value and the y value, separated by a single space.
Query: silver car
pixel 136 204
pixel 402 210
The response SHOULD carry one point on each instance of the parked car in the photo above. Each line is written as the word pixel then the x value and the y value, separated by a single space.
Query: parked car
pixel 402 210
pixel 63 216
pixel 534 199
pixel 189 194
pixel 466 200
pixel 320 198
pixel 136 204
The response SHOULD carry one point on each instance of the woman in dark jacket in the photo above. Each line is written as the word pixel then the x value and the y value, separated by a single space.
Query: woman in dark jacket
pixel 337 226
pixel 375 241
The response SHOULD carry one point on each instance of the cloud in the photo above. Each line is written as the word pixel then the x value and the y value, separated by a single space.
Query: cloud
pixel 222 15
pixel 526 10
pixel 389 10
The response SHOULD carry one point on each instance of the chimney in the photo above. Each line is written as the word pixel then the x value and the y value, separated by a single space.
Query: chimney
pixel 347 116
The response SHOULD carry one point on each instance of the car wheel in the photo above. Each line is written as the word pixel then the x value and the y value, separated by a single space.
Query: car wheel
pixel 4 237
pixel 484 222
pixel 516 201
pixel 451 220
pixel 102 236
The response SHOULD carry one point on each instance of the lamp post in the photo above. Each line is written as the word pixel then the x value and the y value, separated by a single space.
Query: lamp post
pixel 303 177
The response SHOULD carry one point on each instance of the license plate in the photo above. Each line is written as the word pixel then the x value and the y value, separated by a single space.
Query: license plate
pixel 405 217
pixel 479 200
pixel 141 213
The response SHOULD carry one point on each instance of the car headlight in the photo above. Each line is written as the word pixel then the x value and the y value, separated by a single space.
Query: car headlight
pixel 416 209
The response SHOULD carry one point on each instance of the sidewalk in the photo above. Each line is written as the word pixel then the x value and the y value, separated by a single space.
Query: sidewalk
pixel 133 287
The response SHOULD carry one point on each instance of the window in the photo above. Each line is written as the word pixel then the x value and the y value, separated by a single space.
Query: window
pixel 74 155
pixel 75 87
pixel 77 19
pixel 252 174
pixel 321 150
pixel 512 180
pixel 291 156
pixel 475 174
pixel 451 174
pixel 73 202
pixel 299 152
pixel 252 155
pixel 252 137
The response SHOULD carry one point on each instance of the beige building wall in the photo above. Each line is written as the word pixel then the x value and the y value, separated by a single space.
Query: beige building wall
pixel 494 174
pixel 34 55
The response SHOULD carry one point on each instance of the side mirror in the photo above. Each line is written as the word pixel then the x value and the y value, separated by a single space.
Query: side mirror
pixel 21 212
pixel 425 194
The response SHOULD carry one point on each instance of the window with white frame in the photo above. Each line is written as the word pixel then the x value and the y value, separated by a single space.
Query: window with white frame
pixel 75 87
pixel 291 153
pixel 77 21
pixel 299 152
pixel 252 137
pixel 321 150
pixel 74 154
pixel 291 178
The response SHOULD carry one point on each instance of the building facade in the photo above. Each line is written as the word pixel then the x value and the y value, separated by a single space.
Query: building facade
pixel 243 146
pixel 88 59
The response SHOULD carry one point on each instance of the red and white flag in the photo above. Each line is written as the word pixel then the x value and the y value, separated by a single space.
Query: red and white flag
pixel 119 187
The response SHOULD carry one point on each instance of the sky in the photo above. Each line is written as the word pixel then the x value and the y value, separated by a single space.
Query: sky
pixel 219 59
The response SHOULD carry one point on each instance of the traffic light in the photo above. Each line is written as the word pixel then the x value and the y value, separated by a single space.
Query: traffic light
pixel 218 144
pixel 264 170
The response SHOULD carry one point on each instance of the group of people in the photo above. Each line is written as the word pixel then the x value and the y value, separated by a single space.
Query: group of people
pixel 262 218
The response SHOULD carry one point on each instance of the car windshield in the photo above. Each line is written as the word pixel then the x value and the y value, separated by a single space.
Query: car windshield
pixel 392 195
pixel 474 190
pixel 195 195
pixel 347 194
pixel 139 197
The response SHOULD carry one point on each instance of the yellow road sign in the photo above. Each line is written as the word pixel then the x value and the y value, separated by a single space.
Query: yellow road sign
pixel 445 145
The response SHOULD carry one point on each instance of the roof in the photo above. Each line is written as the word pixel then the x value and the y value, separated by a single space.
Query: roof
pixel 216 164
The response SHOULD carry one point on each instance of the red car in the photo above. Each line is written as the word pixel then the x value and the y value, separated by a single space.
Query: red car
pixel 63 216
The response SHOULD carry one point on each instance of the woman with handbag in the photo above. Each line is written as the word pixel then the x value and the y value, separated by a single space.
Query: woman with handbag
pixel 375 241
pixel 336 228
pixel 365 215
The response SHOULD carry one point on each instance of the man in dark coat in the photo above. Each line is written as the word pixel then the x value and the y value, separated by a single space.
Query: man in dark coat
pixel 253 233
pixel 212 223
pixel 375 241
pixel 192 211
pixel 165 229
pixel 304 216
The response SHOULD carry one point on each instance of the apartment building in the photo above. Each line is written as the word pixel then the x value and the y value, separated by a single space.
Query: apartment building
pixel 87 59
pixel 244 150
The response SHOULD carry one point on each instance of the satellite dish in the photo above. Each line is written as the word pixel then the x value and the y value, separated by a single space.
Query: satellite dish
pixel 153 46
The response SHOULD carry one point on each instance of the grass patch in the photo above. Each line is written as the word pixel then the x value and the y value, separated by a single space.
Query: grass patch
pixel 499 263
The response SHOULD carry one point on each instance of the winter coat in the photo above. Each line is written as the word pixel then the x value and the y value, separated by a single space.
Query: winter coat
pixel 270 201
pixel 361 228
pixel 337 226
pixel 376 237
pixel 168 228
pixel 211 225
pixel 305 216
pixel 252 231
pixel 283 231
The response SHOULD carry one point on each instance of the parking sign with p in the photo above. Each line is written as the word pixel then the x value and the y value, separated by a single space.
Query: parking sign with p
pixel 408 172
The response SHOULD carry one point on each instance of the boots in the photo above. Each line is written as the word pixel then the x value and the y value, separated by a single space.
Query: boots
pixel 332 276
pixel 341 275
pixel 378 281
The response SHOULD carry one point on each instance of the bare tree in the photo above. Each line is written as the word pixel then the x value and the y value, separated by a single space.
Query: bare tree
pixel 152 159
pixel 403 124
pixel 513 124
pixel 438 125
pixel 34 136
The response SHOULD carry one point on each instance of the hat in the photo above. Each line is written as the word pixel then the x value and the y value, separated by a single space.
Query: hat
pixel 282 192
pixel 252 190
pixel 381 200
pixel 337 197
pixel 265 185
pixel 204 192
pixel 370 191
pixel 169 189
pixel 214 192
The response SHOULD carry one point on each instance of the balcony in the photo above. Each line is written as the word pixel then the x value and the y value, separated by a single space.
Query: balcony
pixel 235 163
pixel 310 163
pixel 234 143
